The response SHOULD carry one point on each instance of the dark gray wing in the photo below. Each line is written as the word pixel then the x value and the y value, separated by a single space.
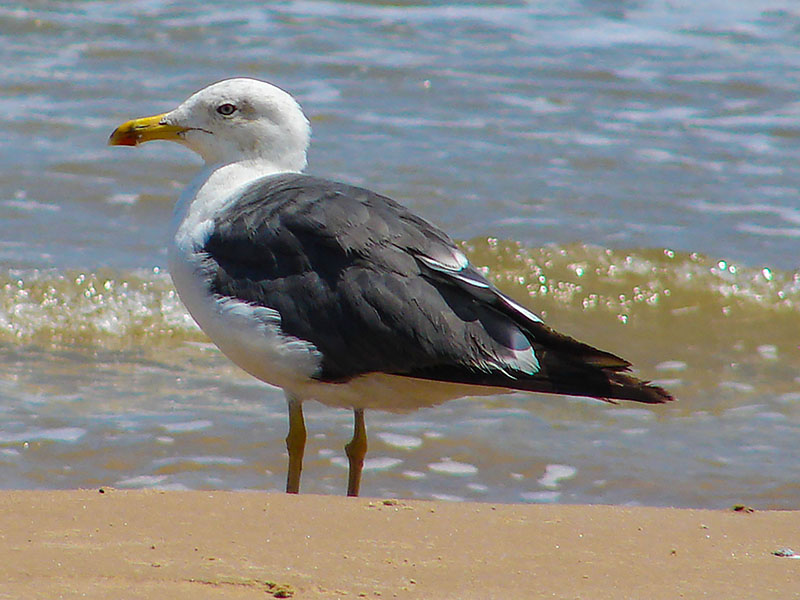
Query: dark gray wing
pixel 377 289
pixel 352 272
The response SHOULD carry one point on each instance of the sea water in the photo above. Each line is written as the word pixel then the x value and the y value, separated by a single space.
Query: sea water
pixel 629 171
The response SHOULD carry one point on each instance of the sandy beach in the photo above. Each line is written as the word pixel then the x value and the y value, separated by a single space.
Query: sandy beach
pixel 156 544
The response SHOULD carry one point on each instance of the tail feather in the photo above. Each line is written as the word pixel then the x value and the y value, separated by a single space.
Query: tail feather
pixel 575 368
pixel 567 367
pixel 577 380
pixel 627 387
pixel 596 374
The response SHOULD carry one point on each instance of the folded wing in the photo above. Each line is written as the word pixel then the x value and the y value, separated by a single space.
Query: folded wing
pixel 377 289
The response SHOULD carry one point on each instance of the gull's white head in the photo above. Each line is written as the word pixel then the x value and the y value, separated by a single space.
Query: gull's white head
pixel 235 120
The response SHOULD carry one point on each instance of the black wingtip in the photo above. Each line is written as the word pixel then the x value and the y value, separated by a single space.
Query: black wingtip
pixel 627 387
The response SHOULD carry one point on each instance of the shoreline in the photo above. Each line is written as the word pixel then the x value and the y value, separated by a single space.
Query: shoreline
pixel 196 544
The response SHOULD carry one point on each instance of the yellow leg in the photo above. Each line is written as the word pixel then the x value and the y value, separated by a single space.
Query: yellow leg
pixel 295 444
pixel 356 450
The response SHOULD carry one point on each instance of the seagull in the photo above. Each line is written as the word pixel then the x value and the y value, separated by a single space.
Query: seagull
pixel 336 293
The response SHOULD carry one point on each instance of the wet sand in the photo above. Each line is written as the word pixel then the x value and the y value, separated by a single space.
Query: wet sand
pixel 155 544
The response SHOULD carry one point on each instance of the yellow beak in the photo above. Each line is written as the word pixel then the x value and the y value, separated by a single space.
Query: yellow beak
pixel 138 131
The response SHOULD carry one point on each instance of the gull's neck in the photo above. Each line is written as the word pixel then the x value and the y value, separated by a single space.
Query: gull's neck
pixel 214 187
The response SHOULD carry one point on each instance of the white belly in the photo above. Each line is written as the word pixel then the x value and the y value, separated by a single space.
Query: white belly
pixel 250 336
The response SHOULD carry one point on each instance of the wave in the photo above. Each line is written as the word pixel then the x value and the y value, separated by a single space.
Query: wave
pixel 106 309
pixel 658 304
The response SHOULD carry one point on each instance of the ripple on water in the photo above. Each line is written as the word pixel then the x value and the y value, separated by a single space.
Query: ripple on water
pixel 58 434
pixel 378 463
pixel 789 398
pixel 639 414
pixel 142 481
pixel 198 460
pixel 448 497
pixel 187 426
pixel 541 497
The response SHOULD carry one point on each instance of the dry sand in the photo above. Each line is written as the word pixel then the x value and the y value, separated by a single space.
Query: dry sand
pixel 167 545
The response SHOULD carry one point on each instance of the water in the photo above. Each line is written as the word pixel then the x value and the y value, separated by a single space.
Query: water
pixel 628 170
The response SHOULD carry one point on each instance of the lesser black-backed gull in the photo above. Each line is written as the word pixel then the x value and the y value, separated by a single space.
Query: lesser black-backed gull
pixel 338 294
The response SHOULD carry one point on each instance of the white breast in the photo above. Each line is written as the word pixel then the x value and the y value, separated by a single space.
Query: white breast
pixel 249 335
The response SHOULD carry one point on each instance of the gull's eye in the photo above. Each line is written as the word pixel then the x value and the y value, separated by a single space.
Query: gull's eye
pixel 226 110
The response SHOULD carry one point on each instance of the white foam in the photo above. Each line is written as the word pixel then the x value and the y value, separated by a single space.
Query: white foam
pixel 381 463
pixel 738 386
pixel 123 199
pixel 448 497
pixel 768 351
pixel 400 441
pixel 478 487
pixel 187 426
pixel 672 365
pixel 451 467
pixel 31 205
pixel 555 474
pixel 141 481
